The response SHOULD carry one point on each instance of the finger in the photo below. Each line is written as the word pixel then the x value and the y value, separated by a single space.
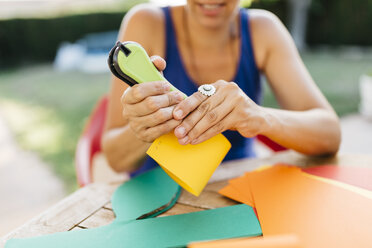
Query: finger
pixel 153 103
pixel 140 91
pixel 160 116
pixel 210 119
pixel 192 119
pixel 218 128
pixel 159 62
pixel 188 105
pixel 159 130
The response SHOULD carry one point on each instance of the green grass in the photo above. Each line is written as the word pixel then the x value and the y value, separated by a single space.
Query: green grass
pixel 47 110
pixel 337 75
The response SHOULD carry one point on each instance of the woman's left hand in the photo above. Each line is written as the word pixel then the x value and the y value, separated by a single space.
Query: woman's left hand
pixel 229 108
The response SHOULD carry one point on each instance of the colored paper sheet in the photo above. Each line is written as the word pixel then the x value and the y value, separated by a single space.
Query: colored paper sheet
pixel 232 193
pixel 242 186
pixel 191 166
pixel 357 176
pixel 143 194
pixel 321 212
pixel 278 241
pixel 170 231
pixel 238 189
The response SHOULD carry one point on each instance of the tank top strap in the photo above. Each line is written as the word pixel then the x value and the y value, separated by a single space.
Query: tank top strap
pixel 249 70
pixel 169 30
pixel 174 71
pixel 245 32
pixel 246 37
pixel 171 51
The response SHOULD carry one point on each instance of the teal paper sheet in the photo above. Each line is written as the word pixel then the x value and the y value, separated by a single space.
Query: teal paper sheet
pixel 171 231
pixel 144 194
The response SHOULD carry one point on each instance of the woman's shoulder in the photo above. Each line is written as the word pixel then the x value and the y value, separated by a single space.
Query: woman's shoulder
pixel 263 20
pixel 144 23
pixel 266 30
pixel 145 13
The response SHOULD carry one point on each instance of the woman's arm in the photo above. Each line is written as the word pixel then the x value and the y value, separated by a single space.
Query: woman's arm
pixel 120 143
pixel 307 122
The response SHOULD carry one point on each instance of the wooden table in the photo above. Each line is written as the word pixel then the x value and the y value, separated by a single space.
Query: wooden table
pixel 90 206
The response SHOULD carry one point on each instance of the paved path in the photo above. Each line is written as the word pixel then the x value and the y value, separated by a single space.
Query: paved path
pixel 27 186
pixel 356 134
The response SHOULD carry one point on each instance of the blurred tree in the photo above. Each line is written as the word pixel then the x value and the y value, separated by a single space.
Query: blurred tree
pixel 245 3
pixel 298 21
pixel 298 14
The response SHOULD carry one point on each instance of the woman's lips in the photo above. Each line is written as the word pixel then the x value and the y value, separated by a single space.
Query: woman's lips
pixel 211 9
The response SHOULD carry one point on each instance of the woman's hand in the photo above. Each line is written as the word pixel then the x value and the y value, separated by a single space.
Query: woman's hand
pixel 148 107
pixel 228 108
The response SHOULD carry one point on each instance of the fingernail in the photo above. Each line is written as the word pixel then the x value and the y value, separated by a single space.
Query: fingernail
pixel 184 141
pixel 194 142
pixel 178 113
pixel 181 131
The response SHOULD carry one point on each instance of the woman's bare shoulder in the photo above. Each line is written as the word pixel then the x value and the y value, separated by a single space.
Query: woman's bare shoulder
pixel 267 32
pixel 144 23
pixel 263 18
pixel 145 14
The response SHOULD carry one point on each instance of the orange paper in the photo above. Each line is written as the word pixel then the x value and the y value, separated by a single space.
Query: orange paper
pixel 238 189
pixel 322 212
pixel 232 193
pixel 241 186
pixel 280 241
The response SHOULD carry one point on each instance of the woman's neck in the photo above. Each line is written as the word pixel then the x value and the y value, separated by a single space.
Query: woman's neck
pixel 217 37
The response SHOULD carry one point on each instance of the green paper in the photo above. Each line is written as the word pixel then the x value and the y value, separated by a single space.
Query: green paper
pixel 143 194
pixel 171 231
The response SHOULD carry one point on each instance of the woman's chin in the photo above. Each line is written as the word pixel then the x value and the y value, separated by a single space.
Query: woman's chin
pixel 212 15
pixel 211 10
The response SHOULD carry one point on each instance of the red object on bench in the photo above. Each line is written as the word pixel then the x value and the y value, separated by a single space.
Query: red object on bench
pixel 271 144
pixel 90 142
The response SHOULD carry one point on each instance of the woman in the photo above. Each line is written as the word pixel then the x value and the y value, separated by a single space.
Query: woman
pixel 215 42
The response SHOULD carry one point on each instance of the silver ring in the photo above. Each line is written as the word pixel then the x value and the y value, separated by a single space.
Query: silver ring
pixel 207 89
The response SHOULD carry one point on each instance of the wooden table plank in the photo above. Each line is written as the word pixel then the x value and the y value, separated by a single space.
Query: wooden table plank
pixel 216 186
pixel 180 208
pixel 100 218
pixel 67 213
pixel 206 200
pixel 77 228
pixel 108 206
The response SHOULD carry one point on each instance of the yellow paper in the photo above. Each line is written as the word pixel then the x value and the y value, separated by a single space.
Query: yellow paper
pixel 190 166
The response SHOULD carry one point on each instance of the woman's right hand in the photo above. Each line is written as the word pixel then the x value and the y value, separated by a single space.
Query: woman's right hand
pixel 148 107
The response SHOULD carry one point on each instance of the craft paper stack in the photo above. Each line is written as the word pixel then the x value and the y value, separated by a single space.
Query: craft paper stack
pixel 329 206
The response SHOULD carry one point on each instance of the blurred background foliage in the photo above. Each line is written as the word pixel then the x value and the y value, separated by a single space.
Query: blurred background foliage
pixel 330 22
pixel 47 109
pixel 37 39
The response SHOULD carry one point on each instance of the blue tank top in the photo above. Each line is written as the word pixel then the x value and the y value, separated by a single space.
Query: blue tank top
pixel 247 77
